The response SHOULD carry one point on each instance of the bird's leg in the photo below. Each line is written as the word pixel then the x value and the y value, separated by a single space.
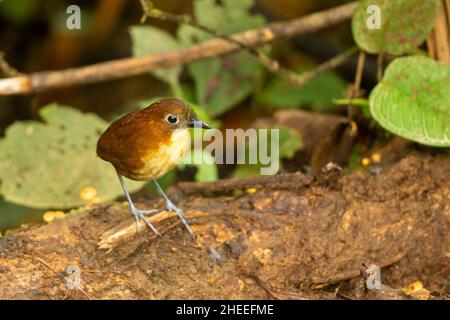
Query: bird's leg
pixel 170 206
pixel 137 213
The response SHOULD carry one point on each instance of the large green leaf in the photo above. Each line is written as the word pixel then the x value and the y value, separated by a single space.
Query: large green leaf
pixel 413 100
pixel 405 24
pixel 221 83
pixel 318 94
pixel 149 40
pixel 47 164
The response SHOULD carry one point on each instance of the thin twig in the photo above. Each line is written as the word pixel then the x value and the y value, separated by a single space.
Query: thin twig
pixel 275 294
pixel 356 88
pixel 122 68
pixel 327 65
pixel 359 72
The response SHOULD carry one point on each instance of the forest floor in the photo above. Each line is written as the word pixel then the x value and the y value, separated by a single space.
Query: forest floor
pixel 301 238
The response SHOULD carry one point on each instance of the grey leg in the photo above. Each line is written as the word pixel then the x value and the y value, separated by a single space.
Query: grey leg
pixel 170 206
pixel 138 214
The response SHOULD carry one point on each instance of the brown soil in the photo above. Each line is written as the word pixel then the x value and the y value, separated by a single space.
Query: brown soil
pixel 268 242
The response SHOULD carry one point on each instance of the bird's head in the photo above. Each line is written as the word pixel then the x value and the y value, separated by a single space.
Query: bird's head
pixel 176 114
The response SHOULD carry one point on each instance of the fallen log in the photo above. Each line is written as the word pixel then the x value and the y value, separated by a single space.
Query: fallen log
pixel 267 243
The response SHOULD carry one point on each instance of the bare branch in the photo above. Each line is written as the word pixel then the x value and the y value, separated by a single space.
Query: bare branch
pixel 127 67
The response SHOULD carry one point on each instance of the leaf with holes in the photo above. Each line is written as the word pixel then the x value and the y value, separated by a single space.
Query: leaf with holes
pixel 413 100
pixel 404 24
pixel 47 164
pixel 221 83
pixel 149 40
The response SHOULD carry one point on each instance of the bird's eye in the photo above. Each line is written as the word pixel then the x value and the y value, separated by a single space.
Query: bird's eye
pixel 172 119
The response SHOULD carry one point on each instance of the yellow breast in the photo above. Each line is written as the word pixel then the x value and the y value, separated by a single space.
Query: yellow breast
pixel 167 156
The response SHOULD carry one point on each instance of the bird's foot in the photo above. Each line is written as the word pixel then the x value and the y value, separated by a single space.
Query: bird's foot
pixel 140 215
pixel 172 207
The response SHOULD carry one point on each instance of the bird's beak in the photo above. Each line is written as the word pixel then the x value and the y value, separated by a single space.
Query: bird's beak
pixel 197 123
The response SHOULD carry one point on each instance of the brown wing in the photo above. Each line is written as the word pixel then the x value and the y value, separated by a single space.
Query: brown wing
pixel 129 139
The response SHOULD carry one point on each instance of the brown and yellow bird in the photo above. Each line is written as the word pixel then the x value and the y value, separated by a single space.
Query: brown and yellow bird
pixel 145 144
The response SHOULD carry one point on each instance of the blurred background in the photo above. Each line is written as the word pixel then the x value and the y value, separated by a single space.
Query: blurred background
pixel 60 174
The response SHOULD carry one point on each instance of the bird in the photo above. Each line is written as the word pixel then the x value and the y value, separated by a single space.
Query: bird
pixel 145 144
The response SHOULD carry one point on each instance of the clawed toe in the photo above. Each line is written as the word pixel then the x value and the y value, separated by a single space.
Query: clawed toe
pixel 148 212
pixel 140 215
pixel 171 207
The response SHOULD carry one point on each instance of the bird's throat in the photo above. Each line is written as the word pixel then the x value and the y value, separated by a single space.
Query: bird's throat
pixel 169 154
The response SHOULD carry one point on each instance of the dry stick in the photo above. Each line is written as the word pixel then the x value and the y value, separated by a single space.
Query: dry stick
pixel 127 67
pixel 442 35
pixel 111 238
pixel 438 42
pixel 275 294
pixel 271 64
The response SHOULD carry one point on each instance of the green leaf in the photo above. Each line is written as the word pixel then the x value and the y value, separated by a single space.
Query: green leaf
pixel 221 83
pixel 290 142
pixel 413 100
pixel 405 24
pixel 318 94
pixel 47 164
pixel 149 40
